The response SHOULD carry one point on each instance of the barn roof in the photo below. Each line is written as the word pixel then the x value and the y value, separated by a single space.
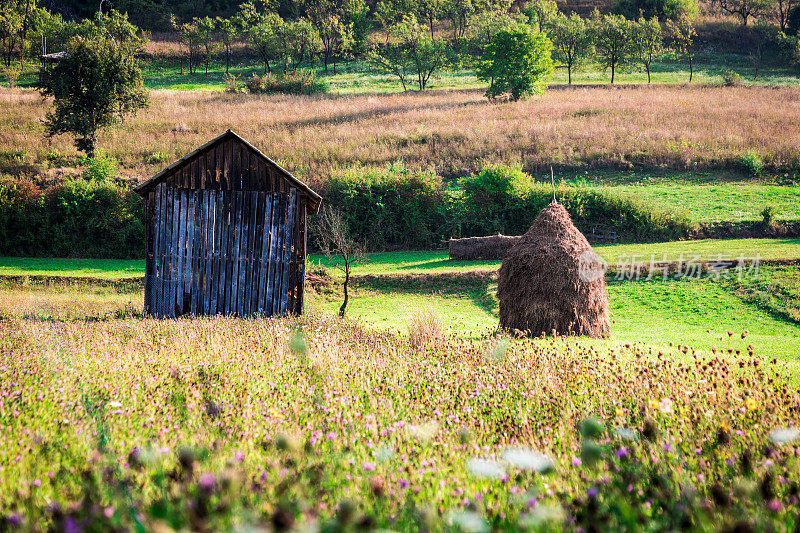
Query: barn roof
pixel 147 185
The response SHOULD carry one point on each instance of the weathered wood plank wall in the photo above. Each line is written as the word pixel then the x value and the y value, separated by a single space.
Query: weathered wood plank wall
pixel 224 252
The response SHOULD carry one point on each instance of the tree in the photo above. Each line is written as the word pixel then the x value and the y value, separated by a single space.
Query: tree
pixel 572 41
pixel 783 12
pixel 758 38
pixel 333 21
pixel 430 11
pixel 94 87
pixel 648 42
pixel 517 62
pixel 682 36
pixel 267 35
pixel 486 24
pixel 334 239
pixel 612 41
pixel 204 28
pixel 228 31
pixel 301 42
pixel 540 13
pixel 412 54
pixel 663 9
pixel 745 9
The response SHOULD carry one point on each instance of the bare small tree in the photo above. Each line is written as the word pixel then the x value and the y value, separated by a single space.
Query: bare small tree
pixel 334 239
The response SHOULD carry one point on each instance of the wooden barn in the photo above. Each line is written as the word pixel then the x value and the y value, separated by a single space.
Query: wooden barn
pixel 225 234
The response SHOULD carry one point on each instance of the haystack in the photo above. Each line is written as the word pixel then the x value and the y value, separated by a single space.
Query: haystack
pixel 553 280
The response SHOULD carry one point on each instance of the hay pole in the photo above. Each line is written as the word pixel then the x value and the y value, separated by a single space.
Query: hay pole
pixel 553 183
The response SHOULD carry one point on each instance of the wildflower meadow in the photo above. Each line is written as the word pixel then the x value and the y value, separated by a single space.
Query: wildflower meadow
pixel 318 424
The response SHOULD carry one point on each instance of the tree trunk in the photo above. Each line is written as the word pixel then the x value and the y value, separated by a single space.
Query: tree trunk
pixel 227 58
pixel 691 69
pixel 612 73
pixel 346 282
pixel 569 73
pixel 648 73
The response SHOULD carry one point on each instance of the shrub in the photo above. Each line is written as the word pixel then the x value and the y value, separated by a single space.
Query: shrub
pixel 299 82
pixel 101 167
pixel 254 84
pixel 77 218
pixel 663 9
pixel 751 162
pixel 731 79
pixel 390 207
pixel 768 215
pixel 11 74
pixel 232 84
pixel 494 201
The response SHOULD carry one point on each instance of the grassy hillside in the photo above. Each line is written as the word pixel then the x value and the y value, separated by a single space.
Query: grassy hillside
pixel 673 127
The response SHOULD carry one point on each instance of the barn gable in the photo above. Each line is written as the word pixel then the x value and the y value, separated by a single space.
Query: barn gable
pixel 228 162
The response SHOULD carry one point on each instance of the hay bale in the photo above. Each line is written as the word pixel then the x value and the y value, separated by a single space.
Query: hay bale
pixel 553 280
pixel 472 248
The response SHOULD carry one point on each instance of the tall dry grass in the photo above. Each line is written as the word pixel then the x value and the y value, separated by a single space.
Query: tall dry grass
pixel 678 127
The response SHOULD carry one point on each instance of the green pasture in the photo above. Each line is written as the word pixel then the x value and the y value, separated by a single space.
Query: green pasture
pixel 663 314
pixel 433 261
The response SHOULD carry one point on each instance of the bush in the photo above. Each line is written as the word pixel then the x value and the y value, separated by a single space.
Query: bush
pixel 299 82
pixel 751 162
pixel 504 200
pixel 731 79
pixel 101 167
pixel 77 218
pixel 390 207
pixel 232 84
pixel 768 215
pixel 493 201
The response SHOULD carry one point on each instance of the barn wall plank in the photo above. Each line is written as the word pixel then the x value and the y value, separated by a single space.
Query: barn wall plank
pixel 181 205
pixel 251 246
pixel 212 207
pixel 287 252
pixel 278 227
pixel 223 252
pixel 236 220
pixel 302 257
pixel 242 231
pixel 245 171
pixel 194 280
pixel 176 214
pixel 162 238
pixel 273 250
pixel 264 256
pixel 256 255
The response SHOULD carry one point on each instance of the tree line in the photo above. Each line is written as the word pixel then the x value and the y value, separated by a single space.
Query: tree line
pixel 414 39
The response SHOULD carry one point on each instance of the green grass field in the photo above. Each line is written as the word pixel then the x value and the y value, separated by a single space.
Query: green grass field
pixel 656 313
pixel 436 261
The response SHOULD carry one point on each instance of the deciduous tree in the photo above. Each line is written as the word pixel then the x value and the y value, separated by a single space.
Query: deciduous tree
pixel 648 42
pixel 517 62
pixel 572 41
pixel 682 37
pixel 613 41
pixel 334 239
pixel 94 87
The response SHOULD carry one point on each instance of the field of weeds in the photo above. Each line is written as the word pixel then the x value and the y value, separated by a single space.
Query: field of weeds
pixel 678 127
pixel 317 424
